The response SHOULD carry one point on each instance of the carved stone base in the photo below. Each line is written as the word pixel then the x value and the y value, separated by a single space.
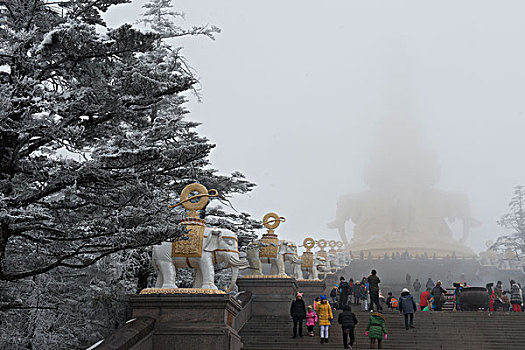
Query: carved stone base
pixel 270 296
pixel 181 291
pixel 311 289
pixel 190 321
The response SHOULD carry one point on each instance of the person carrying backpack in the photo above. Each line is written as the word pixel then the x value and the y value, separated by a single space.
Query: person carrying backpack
pixel 348 321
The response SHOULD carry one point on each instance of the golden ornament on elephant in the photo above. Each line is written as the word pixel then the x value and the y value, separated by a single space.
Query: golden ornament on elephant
pixel 271 221
pixel 322 243
pixel 308 256
pixel 332 244
pixel 191 246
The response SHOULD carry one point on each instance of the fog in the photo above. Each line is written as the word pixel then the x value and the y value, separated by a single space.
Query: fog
pixel 297 94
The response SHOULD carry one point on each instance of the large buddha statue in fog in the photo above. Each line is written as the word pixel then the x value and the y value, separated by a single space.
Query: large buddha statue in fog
pixel 402 209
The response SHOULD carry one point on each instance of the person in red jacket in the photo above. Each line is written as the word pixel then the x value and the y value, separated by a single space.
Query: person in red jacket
pixel 424 299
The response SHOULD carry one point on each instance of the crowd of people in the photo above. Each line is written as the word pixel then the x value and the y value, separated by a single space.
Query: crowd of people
pixel 322 312
pixel 366 294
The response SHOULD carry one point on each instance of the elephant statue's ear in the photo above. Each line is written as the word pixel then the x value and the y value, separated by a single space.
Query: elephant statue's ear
pixel 212 242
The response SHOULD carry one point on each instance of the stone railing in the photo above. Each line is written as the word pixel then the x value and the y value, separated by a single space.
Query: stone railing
pixel 243 316
pixel 134 335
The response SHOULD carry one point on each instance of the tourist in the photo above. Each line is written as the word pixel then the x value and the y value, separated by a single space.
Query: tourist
pixel 311 320
pixel 424 300
pixel 333 295
pixel 516 297
pixel 407 306
pixel 522 295
pixel 317 301
pixel 430 283
pixel 365 282
pixel 499 289
pixel 348 321
pixel 408 278
pixel 298 313
pixel 363 296
pixel 498 301
pixel 324 313
pixel 376 329
pixel 344 292
pixel 457 293
pixel 357 292
pixel 373 282
pixel 438 293
pixel 417 285
pixel 391 301
pixel 492 296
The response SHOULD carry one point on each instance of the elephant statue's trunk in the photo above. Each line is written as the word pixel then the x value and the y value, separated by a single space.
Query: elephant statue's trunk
pixel 296 260
pixel 235 274
pixel 238 263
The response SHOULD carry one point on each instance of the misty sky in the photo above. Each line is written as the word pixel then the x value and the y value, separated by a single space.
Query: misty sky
pixel 295 92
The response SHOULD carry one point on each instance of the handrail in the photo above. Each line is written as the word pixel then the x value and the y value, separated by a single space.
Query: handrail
pixel 243 316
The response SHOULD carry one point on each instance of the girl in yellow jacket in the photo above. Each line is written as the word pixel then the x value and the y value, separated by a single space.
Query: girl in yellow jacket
pixel 324 313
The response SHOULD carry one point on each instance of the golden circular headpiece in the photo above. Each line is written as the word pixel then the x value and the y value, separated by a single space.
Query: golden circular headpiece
pixel 198 201
pixel 271 221
pixel 339 244
pixel 322 243
pixel 308 243
pixel 331 244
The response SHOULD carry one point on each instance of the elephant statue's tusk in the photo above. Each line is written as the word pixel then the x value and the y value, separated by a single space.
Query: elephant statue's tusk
pixel 235 274
pixel 239 263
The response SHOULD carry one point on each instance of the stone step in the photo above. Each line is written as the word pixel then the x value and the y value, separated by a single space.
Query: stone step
pixel 458 330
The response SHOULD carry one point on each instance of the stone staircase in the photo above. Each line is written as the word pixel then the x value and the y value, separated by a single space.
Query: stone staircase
pixel 434 330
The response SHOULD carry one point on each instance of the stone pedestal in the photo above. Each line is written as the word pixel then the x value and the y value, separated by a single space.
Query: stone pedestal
pixel 311 289
pixel 190 321
pixel 270 296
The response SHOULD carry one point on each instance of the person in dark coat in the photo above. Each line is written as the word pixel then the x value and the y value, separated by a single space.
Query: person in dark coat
pixel 373 284
pixel 298 313
pixel 407 306
pixel 357 292
pixel 438 293
pixel 430 283
pixel 344 292
pixel 416 285
pixel 348 321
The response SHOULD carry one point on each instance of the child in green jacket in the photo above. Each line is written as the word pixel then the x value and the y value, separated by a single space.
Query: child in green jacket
pixel 376 329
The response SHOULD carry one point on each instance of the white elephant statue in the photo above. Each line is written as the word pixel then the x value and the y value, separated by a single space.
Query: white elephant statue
pixel 334 262
pixel 343 258
pixel 219 246
pixel 324 265
pixel 313 271
pixel 287 251
pixel 294 259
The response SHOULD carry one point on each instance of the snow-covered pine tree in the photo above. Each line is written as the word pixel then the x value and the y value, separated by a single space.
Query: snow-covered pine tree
pixel 93 146
pixel 93 140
